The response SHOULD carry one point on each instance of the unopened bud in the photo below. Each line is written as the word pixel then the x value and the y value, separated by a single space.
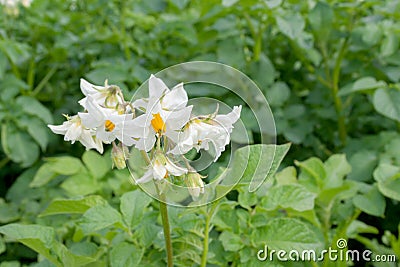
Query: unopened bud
pixel 119 154
pixel 195 184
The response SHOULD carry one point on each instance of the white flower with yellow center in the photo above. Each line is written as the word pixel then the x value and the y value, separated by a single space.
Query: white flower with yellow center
pixel 73 130
pixel 108 123
pixel 165 113
pixel 161 167
pixel 107 96
pixel 201 131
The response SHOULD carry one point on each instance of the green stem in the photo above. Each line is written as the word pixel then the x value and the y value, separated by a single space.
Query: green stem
pixel 335 91
pixel 166 229
pixel 31 73
pixel 3 162
pixel 207 234
pixel 43 82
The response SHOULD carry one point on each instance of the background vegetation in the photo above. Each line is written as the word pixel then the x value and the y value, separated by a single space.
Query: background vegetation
pixel 329 69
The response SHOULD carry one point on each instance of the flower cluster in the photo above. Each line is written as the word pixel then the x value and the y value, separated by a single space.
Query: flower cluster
pixel 11 6
pixel 162 126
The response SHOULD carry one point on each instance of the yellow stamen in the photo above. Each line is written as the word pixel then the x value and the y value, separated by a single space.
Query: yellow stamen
pixel 158 124
pixel 109 125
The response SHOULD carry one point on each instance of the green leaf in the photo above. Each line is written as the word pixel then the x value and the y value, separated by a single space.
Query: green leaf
pixel 125 254
pixel 228 3
pixel 286 234
pixel 100 217
pixel 14 85
pixel 115 74
pixel 291 25
pixel 15 51
pixel 364 84
pixel 321 19
pixel 80 184
pixel 55 166
pixel 336 168
pixel 10 264
pixel 231 241
pixel 359 227
pixel 38 238
pixel 363 164
pixel 133 206
pixel 70 259
pixel 286 176
pixel 19 146
pixel 229 51
pixel 2 245
pixel 386 102
pixel 372 202
pixel 264 74
pixel 247 199
pixel 388 178
pixel 31 106
pixel 327 196
pixel 278 94
pixel 313 173
pixel 372 34
pixel 79 206
pixel 43 176
pixel 65 165
pixel 97 164
pixel 389 44
pixel 3 65
pixel 8 212
pixel 37 129
pixel 259 163
pixel 292 196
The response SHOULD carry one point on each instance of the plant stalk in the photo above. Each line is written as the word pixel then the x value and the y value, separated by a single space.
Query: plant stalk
pixel 207 234
pixel 336 98
pixel 166 229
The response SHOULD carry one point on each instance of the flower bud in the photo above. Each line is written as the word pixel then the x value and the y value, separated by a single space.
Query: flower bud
pixel 195 184
pixel 119 154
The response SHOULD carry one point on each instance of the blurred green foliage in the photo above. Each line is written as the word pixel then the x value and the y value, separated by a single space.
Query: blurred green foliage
pixel 329 70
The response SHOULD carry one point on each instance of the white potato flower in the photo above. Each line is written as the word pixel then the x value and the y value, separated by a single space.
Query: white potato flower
pixel 160 167
pixel 73 130
pixel 165 113
pixel 108 123
pixel 107 96
pixel 199 132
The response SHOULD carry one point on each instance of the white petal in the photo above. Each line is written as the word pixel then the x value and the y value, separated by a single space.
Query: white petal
pixel 146 144
pixel 147 177
pixel 59 129
pixel 98 145
pixel 159 170
pixel 87 88
pixel 177 119
pixel 175 99
pixel 142 120
pixel 86 139
pixel 89 121
pixel 140 104
pixel 174 169
pixel 156 87
pixel 229 119
pixel 94 109
pixel 73 133
pixel 104 136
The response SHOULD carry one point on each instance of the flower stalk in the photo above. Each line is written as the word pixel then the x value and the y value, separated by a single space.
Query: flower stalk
pixel 166 230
